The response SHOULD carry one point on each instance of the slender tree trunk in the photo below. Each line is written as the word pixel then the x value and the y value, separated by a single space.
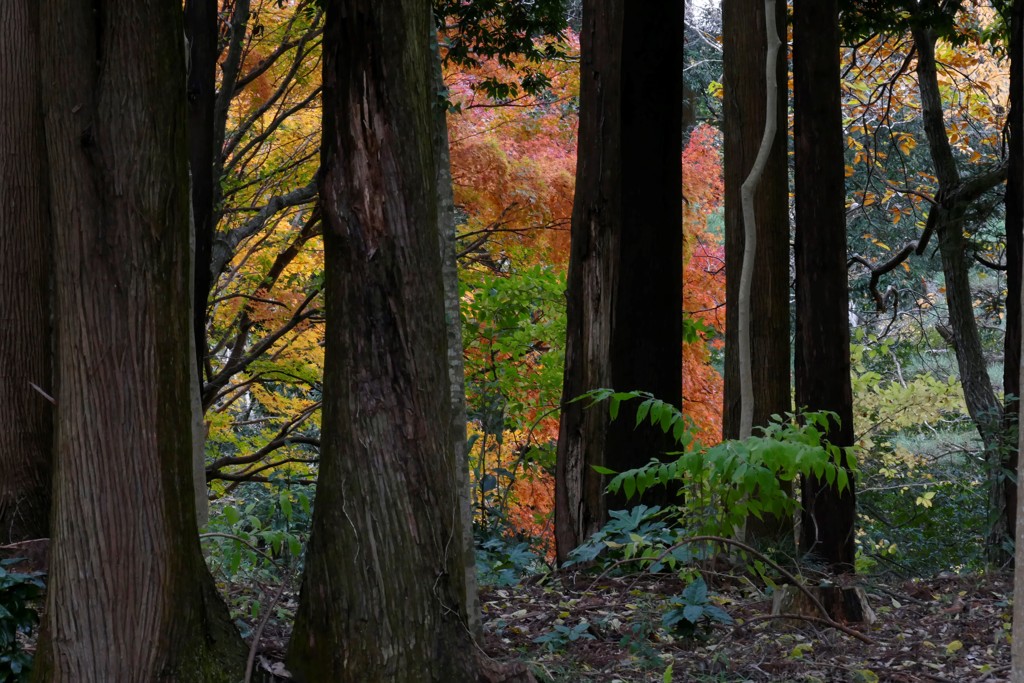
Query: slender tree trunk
pixel 129 596
pixel 953 201
pixel 201 33
pixel 625 264
pixel 384 588
pixel 744 53
pixel 1015 265
pixel 25 339
pixel 822 358
pixel 1015 223
pixel 453 325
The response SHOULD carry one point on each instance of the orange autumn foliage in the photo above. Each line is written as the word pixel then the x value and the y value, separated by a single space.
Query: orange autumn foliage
pixel 703 281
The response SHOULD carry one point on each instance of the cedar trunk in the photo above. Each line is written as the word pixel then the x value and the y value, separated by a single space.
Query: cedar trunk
pixel 745 99
pixel 384 587
pixel 25 339
pixel 744 52
pixel 129 596
pixel 625 265
pixel 822 354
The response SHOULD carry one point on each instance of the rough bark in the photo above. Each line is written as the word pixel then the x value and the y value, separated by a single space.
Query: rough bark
pixel 625 265
pixel 129 596
pixel 954 197
pixel 744 52
pixel 383 591
pixel 747 190
pixel 745 99
pixel 25 339
pixel 822 354
pixel 593 278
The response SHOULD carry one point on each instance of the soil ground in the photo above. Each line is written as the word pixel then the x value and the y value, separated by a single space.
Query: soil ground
pixel 951 629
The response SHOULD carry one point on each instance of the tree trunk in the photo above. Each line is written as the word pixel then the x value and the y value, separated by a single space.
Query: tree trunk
pixel 201 33
pixel 1015 212
pixel 129 596
pixel 1014 266
pixel 25 338
pixel 383 592
pixel 822 355
pixel 453 326
pixel 952 202
pixel 625 266
pixel 744 52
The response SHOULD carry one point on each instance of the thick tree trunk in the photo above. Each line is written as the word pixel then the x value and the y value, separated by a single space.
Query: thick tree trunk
pixel 647 333
pixel 129 596
pixel 744 52
pixel 593 277
pixel 822 354
pixel 25 339
pixel 383 592
pixel 625 264
pixel 954 197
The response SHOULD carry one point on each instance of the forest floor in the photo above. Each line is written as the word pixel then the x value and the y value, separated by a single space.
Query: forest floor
pixel 951 629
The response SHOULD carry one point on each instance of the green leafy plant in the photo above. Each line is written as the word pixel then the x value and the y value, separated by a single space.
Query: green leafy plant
pixel 724 484
pixel 561 635
pixel 693 607
pixel 18 594
pixel 501 562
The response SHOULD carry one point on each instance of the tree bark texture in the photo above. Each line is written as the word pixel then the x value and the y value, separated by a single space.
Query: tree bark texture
pixel 1014 263
pixel 129 596
pixel 822 354
pixel 625 265
pixel 744 53
pixel 951 206
pixel 25 238
pixel 384 587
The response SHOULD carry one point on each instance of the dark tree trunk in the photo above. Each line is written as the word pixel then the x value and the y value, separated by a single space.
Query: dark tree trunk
pixel 744 45
pixel 822 354
pixel 201 31
pixel 744 54
pixel 625 266
pixel 954 197
pixel 25 339
pixel 129 596
pixel 383 592
pixel 1014 260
